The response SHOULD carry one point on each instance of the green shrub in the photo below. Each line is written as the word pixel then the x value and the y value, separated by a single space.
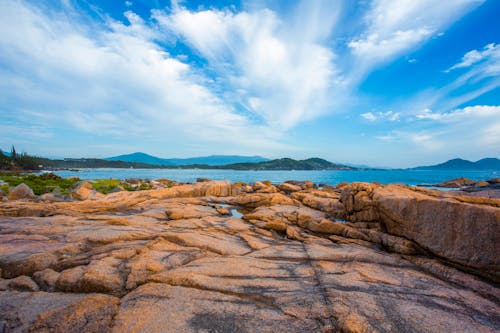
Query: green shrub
pixel 105 185
pixel 46 182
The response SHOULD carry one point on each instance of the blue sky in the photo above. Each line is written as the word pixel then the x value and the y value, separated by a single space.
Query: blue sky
pixel 386 83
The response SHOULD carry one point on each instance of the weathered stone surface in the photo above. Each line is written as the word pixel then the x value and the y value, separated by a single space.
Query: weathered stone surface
pixel 21 283
pixel 289 188
pixel 456 183
pixel 304 184
pixel 260 187
pixel 56 312
pixel 321 200
pixel 21 191
pixel 263 199
pixel 46 279
pixel 464 233
pixel 85 191
pixel 160 307
pixel 180 263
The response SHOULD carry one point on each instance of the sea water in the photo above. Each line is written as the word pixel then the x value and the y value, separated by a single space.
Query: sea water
pixel 329 177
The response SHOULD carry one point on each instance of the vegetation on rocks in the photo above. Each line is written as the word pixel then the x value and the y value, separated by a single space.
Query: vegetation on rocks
pixel 40 184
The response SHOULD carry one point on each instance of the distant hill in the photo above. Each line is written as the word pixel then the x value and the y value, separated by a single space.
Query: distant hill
pixel 213 160
pixel 289 164
pixel 139 158
pixel 461 164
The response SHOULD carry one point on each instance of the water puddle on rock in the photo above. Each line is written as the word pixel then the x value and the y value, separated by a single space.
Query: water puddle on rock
pixel 235 213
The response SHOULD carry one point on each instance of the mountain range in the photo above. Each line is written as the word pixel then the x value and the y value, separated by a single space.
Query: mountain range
pixel 461 164
pixel 212 160
pixel 289 164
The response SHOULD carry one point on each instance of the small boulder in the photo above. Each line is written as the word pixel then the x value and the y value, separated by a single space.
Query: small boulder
pixel 202 180
pixel 55 195
pixel 20 283
pixel 116 189
pixel 85 191
pixel 304 184
pixel 264 187
pixel 288 188
pixel 21 191
pixel 222 210
pixel 46 279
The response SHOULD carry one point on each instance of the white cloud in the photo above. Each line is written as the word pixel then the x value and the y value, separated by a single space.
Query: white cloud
pixel 112 79
pixel 369 116
pixel 467 113
pixel 394 27
pixel 283 74
pixel 428 114
pixel 389 115
pixel 472 57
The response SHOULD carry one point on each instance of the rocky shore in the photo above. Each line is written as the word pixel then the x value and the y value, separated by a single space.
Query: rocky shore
pixel 219 257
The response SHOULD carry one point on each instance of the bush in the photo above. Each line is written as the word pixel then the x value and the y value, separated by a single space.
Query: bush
pixel 105 185
pixel 44 183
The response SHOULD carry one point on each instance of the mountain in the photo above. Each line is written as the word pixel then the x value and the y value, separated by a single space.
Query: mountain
pixel 461 164
pixel 139 158
pixel 217 160
pixel 205 160
pixel 289 164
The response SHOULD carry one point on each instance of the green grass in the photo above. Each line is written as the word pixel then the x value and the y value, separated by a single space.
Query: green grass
pixel 48 182
pixel 105 185
pixel 40 184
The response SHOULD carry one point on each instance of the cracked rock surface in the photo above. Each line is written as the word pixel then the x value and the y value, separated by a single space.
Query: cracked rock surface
pixel 181 260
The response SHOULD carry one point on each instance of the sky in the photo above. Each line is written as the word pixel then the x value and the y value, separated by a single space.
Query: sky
pixel 394 83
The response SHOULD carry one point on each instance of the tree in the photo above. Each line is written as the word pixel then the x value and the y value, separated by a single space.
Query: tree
pixel 4 161
pixel 13 153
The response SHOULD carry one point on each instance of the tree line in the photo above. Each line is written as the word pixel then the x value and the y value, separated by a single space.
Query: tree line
pixel 16 161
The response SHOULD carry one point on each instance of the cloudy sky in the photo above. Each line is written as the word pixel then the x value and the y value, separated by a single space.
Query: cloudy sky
pixel 382 82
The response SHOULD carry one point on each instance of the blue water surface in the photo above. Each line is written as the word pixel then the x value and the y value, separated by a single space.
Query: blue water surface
pixel 329 177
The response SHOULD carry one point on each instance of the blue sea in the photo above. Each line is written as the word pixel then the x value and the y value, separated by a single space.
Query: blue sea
pixel 329 177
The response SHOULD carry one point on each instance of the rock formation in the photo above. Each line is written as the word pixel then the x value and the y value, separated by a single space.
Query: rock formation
pixel 356 258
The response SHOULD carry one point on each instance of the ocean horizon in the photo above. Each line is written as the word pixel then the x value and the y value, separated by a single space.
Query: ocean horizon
pixel 328 177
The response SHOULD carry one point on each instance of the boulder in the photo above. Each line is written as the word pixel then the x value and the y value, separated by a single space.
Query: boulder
pixel 55 196
pixel 265 187
pixel 116 189
pixel 20 283
pixel 202 180
pixel 288 188
pixel 253 200
pixel 456 183
pixel 464 233
pixel 304 184
pixel 323 201
pixel 21 191
pixel 85 191
pixel 46 279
